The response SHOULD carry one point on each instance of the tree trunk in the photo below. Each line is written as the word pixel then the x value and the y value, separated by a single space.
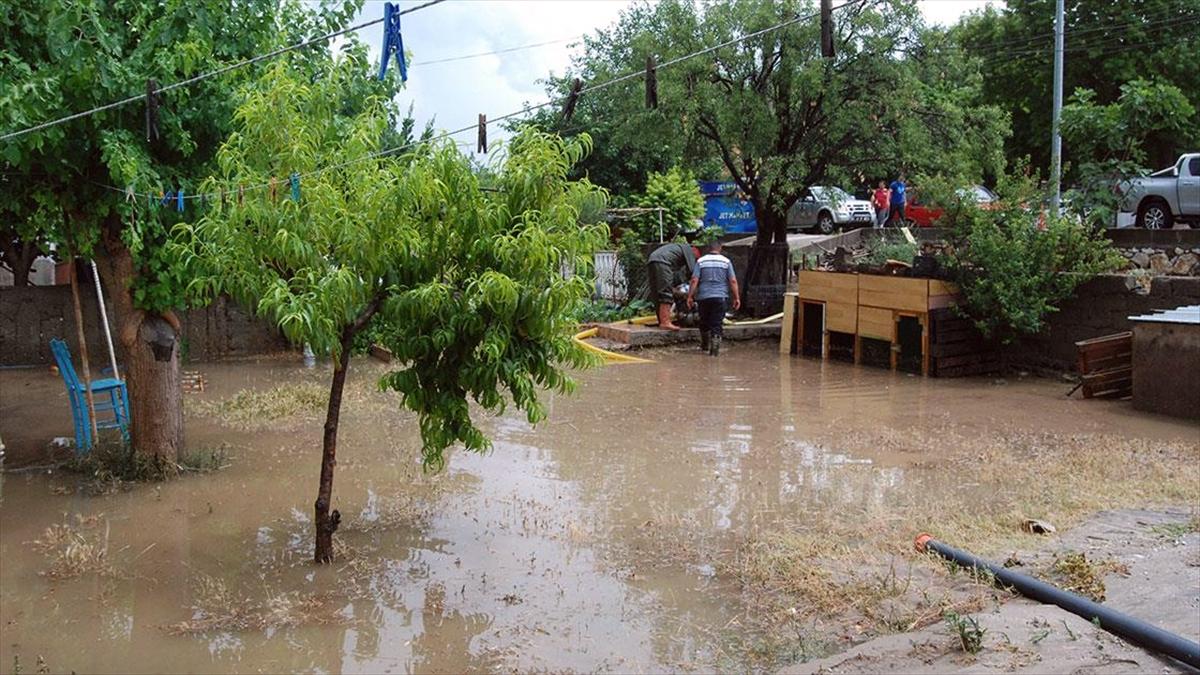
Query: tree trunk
pixel 150 344
pixel 327 522
pixel 19 256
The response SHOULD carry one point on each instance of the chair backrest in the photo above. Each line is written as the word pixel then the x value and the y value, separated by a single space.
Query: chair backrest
pixel 62 356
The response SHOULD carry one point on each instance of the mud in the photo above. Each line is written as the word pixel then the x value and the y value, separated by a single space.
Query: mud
pixel 594 542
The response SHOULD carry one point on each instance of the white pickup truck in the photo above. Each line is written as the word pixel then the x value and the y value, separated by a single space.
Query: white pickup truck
pixel 1165 196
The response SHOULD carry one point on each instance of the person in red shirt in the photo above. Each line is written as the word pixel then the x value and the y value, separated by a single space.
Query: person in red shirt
pixel 880 200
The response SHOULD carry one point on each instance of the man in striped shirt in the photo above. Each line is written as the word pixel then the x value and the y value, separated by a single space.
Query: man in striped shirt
pixel 713 286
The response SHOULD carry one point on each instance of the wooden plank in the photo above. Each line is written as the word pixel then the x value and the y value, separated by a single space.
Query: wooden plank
pixel 939 287
pixel 900 293
pixel 959 348
pixel 924 318
pixel 787 335
pixel 841 317
pixel 876 323
pixel 828 286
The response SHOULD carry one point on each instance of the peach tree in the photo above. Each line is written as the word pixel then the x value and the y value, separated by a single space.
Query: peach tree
pixel 465 285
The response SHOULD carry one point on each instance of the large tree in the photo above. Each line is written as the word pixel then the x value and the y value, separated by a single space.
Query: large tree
pixel 775 114
pixel 68 56
pixel 463 284
pixel 1108 44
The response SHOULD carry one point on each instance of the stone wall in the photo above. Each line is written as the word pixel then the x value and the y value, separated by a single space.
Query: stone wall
pixel 1101 306
pixel 30 316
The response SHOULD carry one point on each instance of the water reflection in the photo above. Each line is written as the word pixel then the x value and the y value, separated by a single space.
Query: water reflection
pixel 590 542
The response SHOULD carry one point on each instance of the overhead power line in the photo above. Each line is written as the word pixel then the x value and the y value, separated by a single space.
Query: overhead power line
pixel 507 50
pixel 524 111
pixel 220 71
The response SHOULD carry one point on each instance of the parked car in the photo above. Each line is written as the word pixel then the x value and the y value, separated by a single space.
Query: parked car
pixel 825 208
pixel 921 214
pixel 1165 196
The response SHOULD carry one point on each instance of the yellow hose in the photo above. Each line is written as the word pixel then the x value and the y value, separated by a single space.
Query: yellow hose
pixel 609 357
pixel 643 320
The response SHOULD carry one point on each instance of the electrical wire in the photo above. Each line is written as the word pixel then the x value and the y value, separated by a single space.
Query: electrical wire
pixel 508 50
pixel 524 111
pixel 220 71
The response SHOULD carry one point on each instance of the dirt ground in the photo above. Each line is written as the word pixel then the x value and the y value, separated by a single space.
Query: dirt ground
pixel 1161 585
pixel 749 513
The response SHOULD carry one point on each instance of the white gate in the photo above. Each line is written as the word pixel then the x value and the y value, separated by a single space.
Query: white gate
pixel 610 277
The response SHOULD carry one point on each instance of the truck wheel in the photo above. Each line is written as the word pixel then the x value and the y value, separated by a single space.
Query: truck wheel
pixel 825 223
pixel 1154 215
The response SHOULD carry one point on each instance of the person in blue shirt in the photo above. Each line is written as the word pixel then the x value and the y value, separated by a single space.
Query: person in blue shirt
pixel 899 200
pixel 713 286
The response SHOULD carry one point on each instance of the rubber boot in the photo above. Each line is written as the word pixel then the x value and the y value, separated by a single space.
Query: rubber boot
pixel 714 346
pixel 704 337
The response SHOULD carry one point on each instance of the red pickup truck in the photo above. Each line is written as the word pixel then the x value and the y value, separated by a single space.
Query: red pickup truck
pixel 920 214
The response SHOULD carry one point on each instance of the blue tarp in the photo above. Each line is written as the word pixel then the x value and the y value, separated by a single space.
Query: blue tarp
pixel 725 208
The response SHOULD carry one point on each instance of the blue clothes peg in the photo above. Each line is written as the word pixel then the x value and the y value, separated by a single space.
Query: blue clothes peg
pixel 393 42
pixel 179 200
pixel 165 198
pixel 295 178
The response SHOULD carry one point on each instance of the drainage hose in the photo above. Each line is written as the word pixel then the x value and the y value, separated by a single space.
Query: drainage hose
pixel 609 357
pixel 1134 630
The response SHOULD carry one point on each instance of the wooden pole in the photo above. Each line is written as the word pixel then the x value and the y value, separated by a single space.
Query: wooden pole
pixel 83 354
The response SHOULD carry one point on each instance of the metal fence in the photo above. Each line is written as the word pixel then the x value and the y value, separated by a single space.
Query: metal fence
pixel 610 277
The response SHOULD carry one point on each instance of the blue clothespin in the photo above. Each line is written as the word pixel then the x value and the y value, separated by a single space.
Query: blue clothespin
pixel 295 178
pixel 393 42
pixel 165 198
pixel 179 200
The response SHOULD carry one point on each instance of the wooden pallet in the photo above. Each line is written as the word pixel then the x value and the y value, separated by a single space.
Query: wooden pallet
pixel 1106 366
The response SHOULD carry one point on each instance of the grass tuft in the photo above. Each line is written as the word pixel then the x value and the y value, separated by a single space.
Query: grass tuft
pixel 257 408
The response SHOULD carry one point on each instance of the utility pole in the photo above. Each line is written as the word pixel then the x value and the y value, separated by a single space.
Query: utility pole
pixel 1055 135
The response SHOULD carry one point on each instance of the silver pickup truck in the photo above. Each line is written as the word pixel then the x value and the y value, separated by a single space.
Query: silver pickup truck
pixel 825 208
pixel 1165 196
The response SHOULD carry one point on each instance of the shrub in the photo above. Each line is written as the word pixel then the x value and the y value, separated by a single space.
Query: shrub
pixel 1016 262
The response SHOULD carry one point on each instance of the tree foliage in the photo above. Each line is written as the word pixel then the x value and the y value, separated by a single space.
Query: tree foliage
pixel 1109 43
pixel 1013 263
pixel 470 281
pixel 770 111
pixel 67 181
pixel 1110 141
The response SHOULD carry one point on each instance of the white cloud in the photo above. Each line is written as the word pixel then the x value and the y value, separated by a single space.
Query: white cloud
pixel 453 94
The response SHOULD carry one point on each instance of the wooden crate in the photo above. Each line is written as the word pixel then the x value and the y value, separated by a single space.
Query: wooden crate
pixel 1106 366
pixel 897 293
pixel 828 287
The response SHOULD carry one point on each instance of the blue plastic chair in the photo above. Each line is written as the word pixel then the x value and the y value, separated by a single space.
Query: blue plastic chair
pixel 109 397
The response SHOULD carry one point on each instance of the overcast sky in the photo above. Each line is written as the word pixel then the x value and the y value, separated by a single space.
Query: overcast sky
pixel 454 93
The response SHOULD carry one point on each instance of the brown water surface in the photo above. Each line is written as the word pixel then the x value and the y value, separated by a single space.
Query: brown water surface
pixel 589 543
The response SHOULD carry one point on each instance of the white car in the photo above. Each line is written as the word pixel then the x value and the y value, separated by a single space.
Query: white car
pixel 825 208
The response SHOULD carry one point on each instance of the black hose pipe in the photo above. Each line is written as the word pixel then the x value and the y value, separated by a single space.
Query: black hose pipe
pixel 1134 630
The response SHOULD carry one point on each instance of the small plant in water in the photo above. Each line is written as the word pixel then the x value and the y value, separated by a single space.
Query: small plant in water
pixel 108 465
pixel 967 630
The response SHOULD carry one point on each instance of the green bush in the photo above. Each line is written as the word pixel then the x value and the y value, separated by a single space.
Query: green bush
pixel 600 311
pixel 1016 262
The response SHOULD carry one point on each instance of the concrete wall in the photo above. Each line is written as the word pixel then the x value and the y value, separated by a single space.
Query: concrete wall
pixel 1162 383
pixel 1101 306
pixel 30 316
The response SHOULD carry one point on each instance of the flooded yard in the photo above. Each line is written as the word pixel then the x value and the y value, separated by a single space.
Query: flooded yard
pixel 667 517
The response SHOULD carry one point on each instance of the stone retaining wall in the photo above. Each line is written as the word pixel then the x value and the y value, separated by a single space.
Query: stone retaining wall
pixel 1101 306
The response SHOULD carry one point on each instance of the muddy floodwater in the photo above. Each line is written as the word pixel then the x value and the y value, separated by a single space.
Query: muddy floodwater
pixel 593 542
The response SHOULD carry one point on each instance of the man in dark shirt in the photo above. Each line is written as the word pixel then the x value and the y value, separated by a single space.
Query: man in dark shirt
pixel 899 200
pixel 669 264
